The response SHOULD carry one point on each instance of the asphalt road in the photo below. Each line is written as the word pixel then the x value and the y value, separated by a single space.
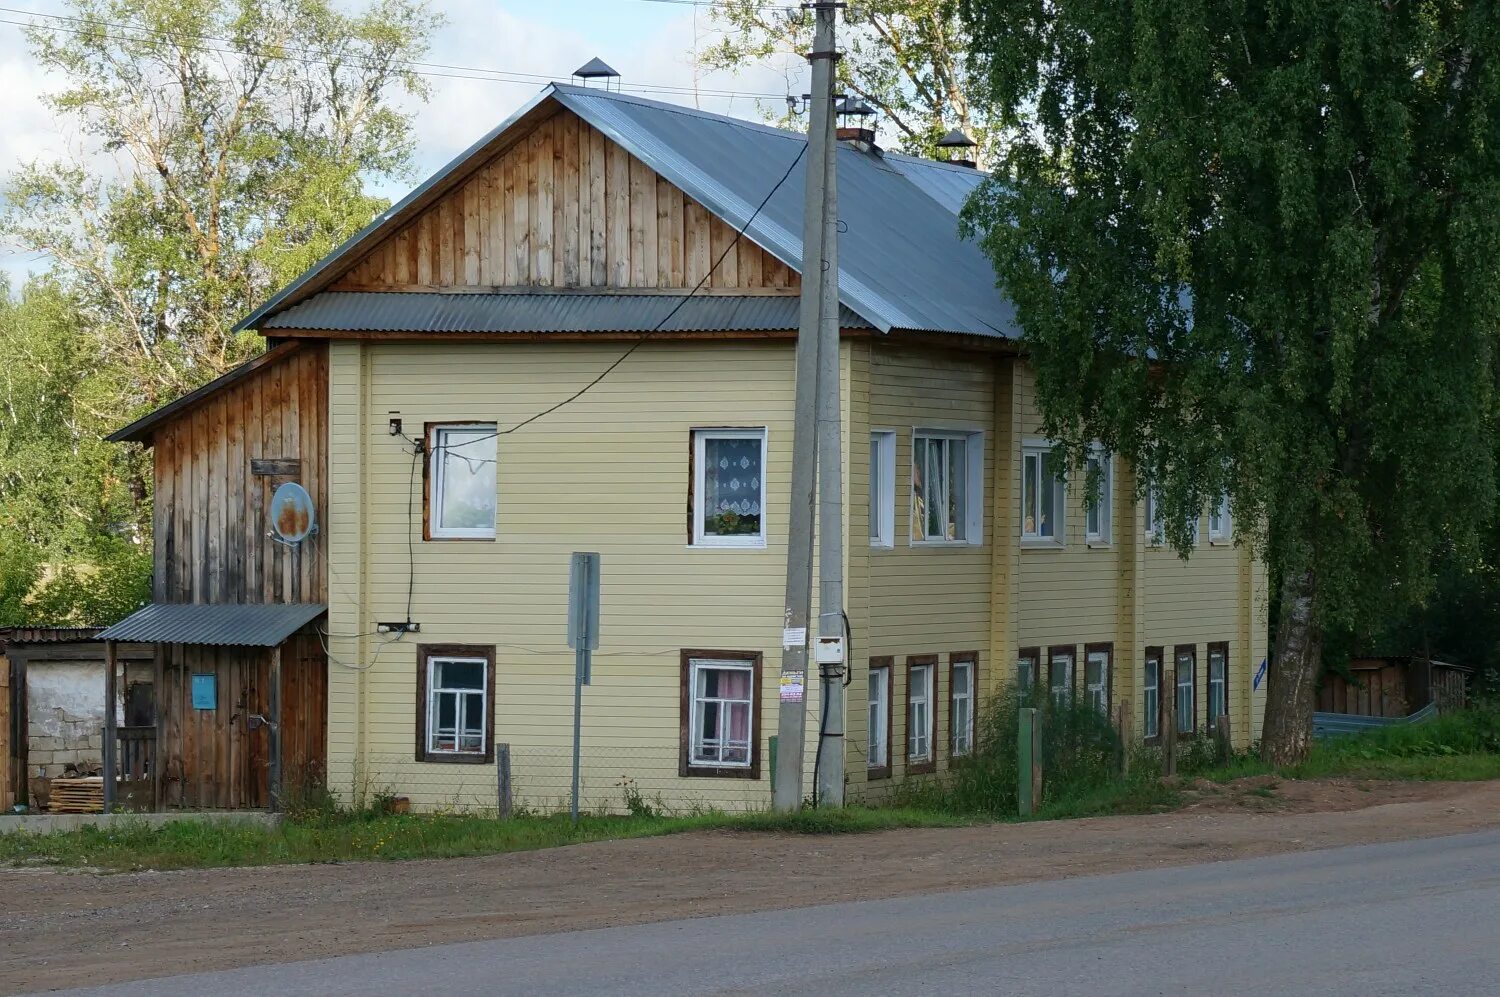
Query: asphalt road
pixel 1419 917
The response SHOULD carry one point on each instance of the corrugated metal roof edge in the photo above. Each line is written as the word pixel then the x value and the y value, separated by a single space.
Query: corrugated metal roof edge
pixel 214 624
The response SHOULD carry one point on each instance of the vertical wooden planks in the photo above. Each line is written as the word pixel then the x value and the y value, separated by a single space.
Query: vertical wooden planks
pixel 541 191
pixel 572 186
pixel 471 231
pixel 696 226
pixel 492 259
pixel 161 514
pixel 520 234
pixel 598 209
pixel 291 446
pixel 640 178
pixel 218 487
pixel 558 127
pixel 236 466
pixel 617 233
pixel 723 255
pixel 270 438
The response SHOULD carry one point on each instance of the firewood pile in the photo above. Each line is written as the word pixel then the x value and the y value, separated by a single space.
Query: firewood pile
pixel 83 795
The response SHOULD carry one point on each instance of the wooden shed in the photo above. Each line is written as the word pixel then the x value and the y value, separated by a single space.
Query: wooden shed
pixel 1394 687
pixel 241 674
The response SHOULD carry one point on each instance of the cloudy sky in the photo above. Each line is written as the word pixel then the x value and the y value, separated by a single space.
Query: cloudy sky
pixel 648 42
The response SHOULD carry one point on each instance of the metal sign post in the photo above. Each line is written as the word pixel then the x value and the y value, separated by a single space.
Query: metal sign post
pixel 583 638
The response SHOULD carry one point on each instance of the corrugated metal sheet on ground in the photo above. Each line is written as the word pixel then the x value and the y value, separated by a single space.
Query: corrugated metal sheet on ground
pixel 224 624
pixel 431 311
pixel 1334 724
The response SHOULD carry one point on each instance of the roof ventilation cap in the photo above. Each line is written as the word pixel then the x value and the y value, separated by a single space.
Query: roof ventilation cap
pixel 598 69
pixel 957 139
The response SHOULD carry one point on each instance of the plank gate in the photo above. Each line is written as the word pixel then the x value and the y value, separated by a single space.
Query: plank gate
pixel 220 758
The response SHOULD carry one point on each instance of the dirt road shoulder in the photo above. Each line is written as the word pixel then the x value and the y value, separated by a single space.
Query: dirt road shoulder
pixel 72 929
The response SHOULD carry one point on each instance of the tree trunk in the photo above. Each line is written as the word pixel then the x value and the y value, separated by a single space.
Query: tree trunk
pixel 1293 673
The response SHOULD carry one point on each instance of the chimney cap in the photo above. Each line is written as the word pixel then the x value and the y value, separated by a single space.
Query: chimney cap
pixel 854 107
pixel 594 69
pixel 956 139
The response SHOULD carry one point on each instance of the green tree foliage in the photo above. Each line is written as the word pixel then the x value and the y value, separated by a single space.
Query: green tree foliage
pixel 224 146
pixel 74 539
pixel 1253 249
pixel 906 58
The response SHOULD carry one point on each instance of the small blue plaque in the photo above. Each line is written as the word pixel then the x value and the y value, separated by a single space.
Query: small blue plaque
pixel 205 691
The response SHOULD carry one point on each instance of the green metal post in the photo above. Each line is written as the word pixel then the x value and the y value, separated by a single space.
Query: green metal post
pixel 1026 761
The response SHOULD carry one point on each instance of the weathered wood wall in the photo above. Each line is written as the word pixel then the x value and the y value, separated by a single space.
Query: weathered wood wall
pixel 211 759
pixel 1378 691
pixel 9 763
pixel 211 507
pixel 565 207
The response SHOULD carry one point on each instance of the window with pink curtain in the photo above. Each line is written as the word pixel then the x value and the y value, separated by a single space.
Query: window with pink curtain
pixel 722 694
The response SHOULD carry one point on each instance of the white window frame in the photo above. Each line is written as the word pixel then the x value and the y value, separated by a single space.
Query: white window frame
pixel 700 490
pixel 1220 522
pixel 695 713
pixel 1037 450
pixel 966 734
pixel 1060 695
pixel 1103 536
pixel 434 692
pixel 974 500
pixel 1156 524
pixel 925 705
pixel 1191 685
pixel 1151 698
pixel 436 474
pixel 1222 682
pixel 1156 532
pixel 1097 694
pixel 878 707
pixel 883 489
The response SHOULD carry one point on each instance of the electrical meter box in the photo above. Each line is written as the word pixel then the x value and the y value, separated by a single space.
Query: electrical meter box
pixel 830 650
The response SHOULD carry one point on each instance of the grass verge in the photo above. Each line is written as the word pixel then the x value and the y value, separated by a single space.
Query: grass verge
pixel 361 836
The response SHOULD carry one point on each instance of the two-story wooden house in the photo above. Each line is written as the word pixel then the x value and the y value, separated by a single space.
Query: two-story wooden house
pixel 413 382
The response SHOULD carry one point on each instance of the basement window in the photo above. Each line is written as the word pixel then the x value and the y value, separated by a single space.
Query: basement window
pixel 1096 677
pixel 879 703
pixel 461 493
pixel 721 714
pixel 961 704
pixel 455 711
pixel 1151 697
pixel 729 488
pixel 1187 692
pixel 920 687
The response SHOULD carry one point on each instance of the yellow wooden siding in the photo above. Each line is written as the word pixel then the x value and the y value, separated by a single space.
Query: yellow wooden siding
pixel 565 207
pixel 923 599
pixel 608 473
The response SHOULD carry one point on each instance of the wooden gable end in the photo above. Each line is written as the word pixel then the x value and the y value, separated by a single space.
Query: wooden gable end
pixel 563 206
pixel 216 465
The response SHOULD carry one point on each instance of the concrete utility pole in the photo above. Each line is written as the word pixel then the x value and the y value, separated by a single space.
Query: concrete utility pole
pixel 831 650
pixel 792 718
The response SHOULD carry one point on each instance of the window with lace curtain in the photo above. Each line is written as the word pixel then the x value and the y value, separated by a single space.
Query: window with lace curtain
pixel 729 487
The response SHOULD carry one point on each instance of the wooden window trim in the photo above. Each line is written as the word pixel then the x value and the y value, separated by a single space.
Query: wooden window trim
pixel 425 653
pixel 970 658
pixel 1161 703
pixel 1033 652
pixel 704 542
pixel 924 766
pixel 1054 650
pixel 429 433
pixel 685 768
pixel 887 662
pixel 1108 648
pixel 1221 646
pixel 1191 649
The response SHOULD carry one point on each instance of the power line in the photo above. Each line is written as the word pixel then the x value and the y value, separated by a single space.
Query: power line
pixel 432 70
pixel 738 235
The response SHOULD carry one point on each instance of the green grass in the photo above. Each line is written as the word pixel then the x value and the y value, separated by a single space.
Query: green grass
pixel 1079 751
pixel 349 837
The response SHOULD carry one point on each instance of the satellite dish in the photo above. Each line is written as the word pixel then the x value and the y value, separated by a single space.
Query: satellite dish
pixel 292 514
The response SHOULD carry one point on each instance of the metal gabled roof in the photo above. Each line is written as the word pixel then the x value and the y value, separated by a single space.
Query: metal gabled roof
pixel 902 264
pixel 222 624
pixel 435 311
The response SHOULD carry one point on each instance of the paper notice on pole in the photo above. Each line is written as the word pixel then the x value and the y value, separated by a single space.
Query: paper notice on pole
pixel 792 685
pixel 793 637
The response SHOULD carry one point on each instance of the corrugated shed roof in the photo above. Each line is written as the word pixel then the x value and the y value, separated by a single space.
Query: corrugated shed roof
pixel 902 264
pixel 434 311
pixel 223 624
pixel 46 635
